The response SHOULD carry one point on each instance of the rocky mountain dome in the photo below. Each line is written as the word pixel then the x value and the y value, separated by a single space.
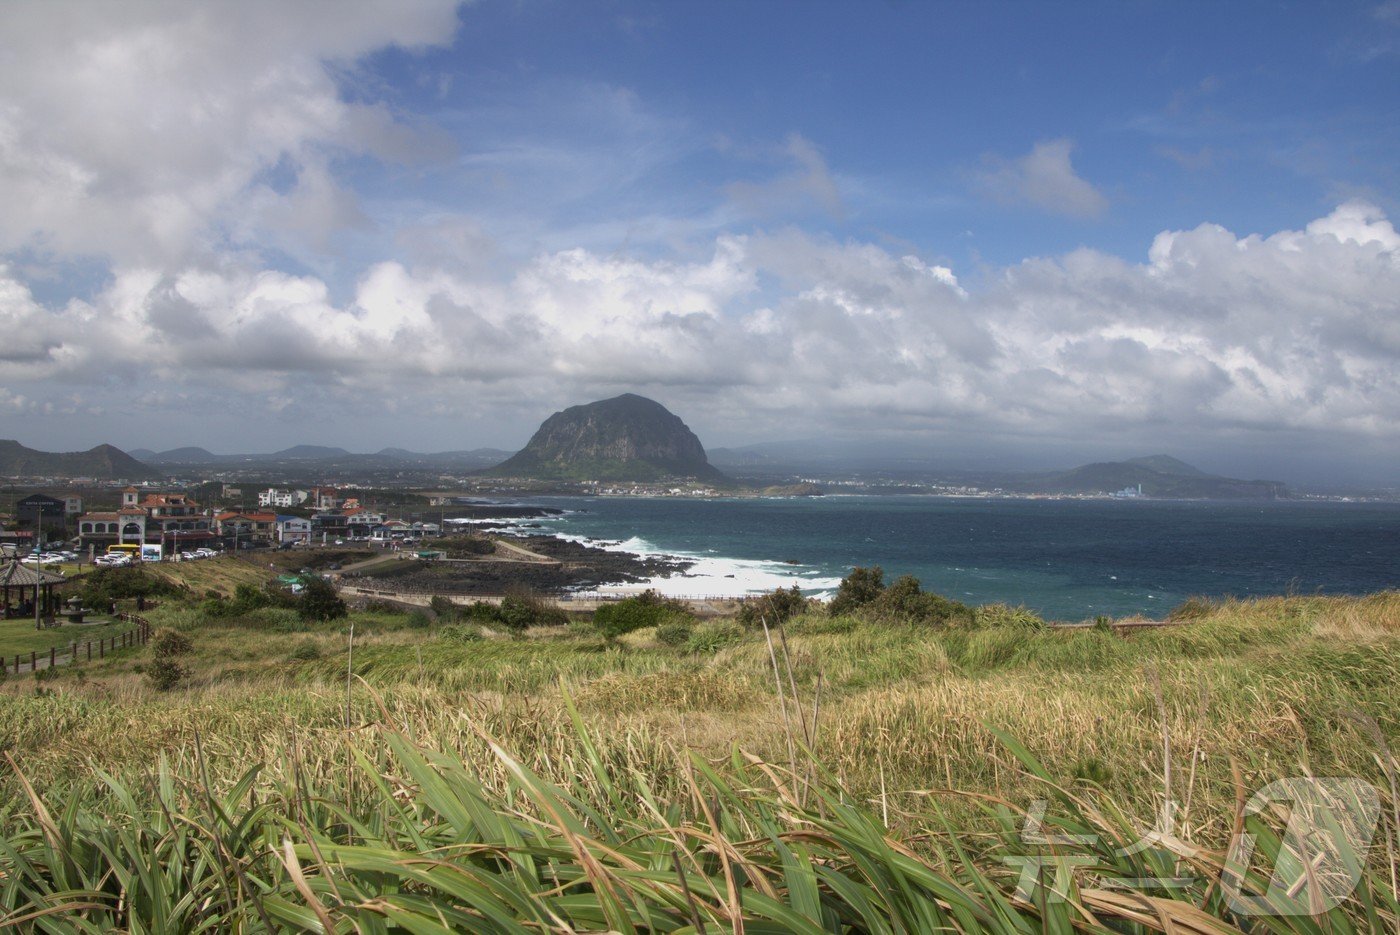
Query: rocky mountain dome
pixel 626 438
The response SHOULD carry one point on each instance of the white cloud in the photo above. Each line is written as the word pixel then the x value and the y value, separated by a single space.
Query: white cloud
pixel 1213 335
pixel 144 132
pixel 1045 178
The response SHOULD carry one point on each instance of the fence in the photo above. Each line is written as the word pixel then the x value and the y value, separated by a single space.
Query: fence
pixel 138 635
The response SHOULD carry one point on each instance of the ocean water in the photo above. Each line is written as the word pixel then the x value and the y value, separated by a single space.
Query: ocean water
pixel 1067 559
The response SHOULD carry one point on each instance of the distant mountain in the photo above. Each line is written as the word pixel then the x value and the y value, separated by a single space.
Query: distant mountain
pixel 185 456
pixel 142 454
pixel 309 453
pixel 105 462
pixel 474 458
pixel 1170 478
pixel 626 438
pixel 1166 464
pixel 740 457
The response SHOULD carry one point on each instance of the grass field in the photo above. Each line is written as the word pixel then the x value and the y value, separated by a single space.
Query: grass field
pixel 856 771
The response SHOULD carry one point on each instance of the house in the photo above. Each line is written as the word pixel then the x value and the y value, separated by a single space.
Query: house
pixel 293 529
pixel 240 530
pixel 323 498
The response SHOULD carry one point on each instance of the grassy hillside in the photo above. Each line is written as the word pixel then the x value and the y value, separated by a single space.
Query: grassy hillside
pixel 611 782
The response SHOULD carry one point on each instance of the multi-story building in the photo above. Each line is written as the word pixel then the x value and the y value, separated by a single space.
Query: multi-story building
pixel 240 530
pixel 282 497
pixel 172 520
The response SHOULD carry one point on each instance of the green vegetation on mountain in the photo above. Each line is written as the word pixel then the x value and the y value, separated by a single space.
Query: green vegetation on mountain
pixel 626 438
pixel 103 462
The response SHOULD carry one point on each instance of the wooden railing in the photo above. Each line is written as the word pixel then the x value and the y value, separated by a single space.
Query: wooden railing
pixel 34 660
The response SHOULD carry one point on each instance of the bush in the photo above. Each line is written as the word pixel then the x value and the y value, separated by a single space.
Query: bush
pixel 778 607
pixel 906 602
pixel 466 633
pixel 419 620
pixel 674 633
pixel 101 586
pixel 443 608
pixel 166 642
pixel 711 639
pixel 862 586
pixel 319 601
pixel 1004 615
pixel 647 609
pixel 164 673
pixel 516 612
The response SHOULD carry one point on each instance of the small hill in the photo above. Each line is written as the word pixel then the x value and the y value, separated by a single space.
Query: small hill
pixel 188 455
pixel 105 462
pixel 626 438
pixel 309 453
pixel 1159 476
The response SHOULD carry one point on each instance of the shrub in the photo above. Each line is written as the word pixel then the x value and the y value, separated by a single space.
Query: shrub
pixel 1004 615
pixel 465 633
pixel 862 586
pixel 906 602
pixel 419 620
pixel 164 673
pixel 776 608
pixel 711 639
pixel 167 642
pixel 674 633
pixel 516 612
pixel 319 601
pixel 443 608
pixel 647 609
pixel 101 586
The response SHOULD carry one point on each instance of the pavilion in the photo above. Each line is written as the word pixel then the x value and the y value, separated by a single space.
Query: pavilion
pixel 15 576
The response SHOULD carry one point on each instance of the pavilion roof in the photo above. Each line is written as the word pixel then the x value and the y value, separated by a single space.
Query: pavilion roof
pixel 16 575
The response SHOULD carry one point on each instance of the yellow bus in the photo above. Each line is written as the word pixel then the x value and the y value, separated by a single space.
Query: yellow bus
pixel 131 550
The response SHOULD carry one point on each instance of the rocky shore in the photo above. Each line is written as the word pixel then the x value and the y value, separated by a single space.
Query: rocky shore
pixel 567 566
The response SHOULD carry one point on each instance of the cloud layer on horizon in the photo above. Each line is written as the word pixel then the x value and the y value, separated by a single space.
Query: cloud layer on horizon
pixel 1214 333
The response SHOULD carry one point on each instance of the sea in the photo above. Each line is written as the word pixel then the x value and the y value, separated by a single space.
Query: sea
pixel 1066 559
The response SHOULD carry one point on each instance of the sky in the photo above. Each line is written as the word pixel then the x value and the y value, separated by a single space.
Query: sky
pixel 994 233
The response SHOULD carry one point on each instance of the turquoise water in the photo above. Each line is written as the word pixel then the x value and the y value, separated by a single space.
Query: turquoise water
pixel 1068 559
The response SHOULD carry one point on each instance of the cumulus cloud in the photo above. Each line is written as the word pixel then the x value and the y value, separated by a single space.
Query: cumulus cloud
pixel 145 132
pixel 1212 335
pixel 1045 178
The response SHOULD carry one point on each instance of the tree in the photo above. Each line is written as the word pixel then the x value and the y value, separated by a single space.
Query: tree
pixel 862 586
pixel 319 601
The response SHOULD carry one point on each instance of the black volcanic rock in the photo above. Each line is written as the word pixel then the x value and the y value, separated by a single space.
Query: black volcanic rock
pixel 104 461
pixel 626 438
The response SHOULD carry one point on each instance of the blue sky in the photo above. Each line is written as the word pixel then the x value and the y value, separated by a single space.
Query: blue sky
pixel 1039 232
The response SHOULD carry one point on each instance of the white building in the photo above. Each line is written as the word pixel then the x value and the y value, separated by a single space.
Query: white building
pixel 277 496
